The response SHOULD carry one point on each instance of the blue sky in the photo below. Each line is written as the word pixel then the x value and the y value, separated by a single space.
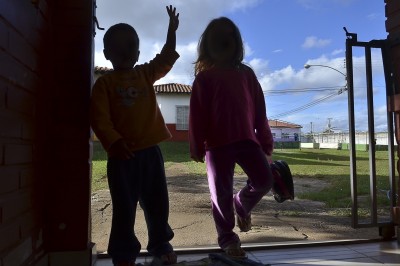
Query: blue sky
pixel 280 37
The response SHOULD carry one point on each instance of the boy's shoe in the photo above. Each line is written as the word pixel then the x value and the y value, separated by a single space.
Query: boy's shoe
pixel 282 187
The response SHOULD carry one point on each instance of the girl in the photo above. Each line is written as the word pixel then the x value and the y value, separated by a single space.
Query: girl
pixel 228 125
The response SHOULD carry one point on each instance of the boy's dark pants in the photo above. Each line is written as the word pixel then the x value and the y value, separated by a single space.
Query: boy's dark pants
pixel 139 179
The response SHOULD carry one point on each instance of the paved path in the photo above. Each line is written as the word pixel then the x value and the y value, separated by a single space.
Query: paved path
pixel 191 219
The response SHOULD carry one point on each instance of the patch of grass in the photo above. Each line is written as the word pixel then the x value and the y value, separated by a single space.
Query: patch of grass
pixel 332 166
pixel 345 212
pixel 292 213
pixel 98 153
pixel 176 152
pixel 99 175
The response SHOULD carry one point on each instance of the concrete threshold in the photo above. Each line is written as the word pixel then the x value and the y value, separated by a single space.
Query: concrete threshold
pixel 263 246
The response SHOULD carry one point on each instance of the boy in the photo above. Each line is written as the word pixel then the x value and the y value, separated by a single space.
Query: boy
pixel 127 120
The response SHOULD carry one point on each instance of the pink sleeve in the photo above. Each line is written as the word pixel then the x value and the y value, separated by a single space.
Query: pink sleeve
pixel 197 120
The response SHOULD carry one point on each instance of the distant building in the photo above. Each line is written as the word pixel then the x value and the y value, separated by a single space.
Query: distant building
pixel 284 131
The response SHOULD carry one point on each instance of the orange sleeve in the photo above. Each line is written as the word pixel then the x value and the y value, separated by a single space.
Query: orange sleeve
pixel 160 65
pixel 100 117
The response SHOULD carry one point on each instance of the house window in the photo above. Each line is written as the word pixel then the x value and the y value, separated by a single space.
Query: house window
pixel 182 117
pixel 285 135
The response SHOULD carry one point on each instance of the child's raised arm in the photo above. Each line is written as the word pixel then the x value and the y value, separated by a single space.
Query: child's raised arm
pixel 173 26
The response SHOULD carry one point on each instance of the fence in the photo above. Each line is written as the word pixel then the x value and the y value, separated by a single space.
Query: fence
pixel 342 139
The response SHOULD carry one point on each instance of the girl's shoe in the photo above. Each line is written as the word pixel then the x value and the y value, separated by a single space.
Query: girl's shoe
pixel 235 251
pixel 169 258
pixel 244 224
pixel 282 187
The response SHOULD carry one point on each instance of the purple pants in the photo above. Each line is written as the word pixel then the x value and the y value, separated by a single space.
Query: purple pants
pixel 220 169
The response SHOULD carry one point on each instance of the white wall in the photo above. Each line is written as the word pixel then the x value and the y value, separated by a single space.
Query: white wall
pixel 360 138
pixel 168 103
pixel 291 131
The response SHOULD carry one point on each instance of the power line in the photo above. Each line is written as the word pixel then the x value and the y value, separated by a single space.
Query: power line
pixel 316 89
pixel 309 105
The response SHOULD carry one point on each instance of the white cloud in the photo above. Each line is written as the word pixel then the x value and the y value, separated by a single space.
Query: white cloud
pixel 277 51
pixel 241 4
pixel 324 77
pixel 259 66
pixel 150 19
pixel 380 118
pixel 100 60
pixel 312 41
pixel 277 78
pixel 247 50
pixel 373 16
pixel 309 4
pixel 337 51
pixel 318 4
pixel 183 70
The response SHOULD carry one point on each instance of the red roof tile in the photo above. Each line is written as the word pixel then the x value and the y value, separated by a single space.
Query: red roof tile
pixel 274 123
pixel 102 70
pixel 162 88
pixel 173 88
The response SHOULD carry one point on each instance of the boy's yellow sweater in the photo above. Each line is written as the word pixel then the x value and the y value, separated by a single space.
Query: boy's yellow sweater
pixel 124 105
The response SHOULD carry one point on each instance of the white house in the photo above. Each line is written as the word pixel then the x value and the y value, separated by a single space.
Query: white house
pixel 173 100
pixel 284 131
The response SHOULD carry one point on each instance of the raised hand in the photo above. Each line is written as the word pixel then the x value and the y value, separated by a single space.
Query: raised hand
pixel 173 18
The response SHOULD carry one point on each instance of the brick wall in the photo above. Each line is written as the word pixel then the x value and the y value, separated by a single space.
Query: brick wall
pixel 45 80
pixel 67 165
pixel 178 135
pixel 23 31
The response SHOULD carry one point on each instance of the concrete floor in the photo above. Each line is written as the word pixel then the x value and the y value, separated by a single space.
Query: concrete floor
pixel 324 253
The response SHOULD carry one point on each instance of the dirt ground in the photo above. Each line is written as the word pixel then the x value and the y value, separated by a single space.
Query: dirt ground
pixel 192 223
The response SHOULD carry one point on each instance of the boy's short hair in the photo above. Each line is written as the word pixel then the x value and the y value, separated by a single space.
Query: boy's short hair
pixel 115 28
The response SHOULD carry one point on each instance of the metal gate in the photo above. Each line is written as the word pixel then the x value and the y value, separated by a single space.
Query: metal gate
pixel 372 220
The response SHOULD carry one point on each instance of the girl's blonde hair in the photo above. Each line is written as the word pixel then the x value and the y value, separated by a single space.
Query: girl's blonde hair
pixel 204 60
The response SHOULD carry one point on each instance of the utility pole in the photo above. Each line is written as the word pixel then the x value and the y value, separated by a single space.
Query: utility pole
pixel 329 124
pixel 311 129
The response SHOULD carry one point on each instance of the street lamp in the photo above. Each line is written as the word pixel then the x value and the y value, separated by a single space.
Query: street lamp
pixel 307 66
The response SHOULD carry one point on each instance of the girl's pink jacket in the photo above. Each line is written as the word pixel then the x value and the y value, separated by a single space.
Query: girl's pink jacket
pixel 226 106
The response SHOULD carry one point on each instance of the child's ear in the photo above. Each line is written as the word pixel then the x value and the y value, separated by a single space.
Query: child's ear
pixel 106 54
